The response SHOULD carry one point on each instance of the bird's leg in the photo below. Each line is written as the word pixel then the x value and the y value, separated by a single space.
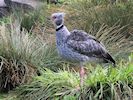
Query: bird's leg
pixel 82 72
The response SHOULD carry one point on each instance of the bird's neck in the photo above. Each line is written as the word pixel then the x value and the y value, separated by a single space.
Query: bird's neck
pixel 62 33
pixel 59 27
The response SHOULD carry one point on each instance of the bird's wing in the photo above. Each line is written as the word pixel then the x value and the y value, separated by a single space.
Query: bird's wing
pixel 80 42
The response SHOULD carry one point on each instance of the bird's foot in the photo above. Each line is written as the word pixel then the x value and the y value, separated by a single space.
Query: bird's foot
pixel 82 74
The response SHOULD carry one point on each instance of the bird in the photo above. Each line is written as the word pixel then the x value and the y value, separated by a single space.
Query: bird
pixel 78 46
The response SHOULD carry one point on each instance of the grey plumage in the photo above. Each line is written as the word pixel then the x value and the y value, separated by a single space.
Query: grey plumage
pixel 81 47
pixel 79 41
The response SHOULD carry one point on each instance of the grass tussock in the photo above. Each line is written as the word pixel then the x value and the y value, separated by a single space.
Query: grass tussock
pixel 115 40
pixel 14 58
pixel 14 73
pixel 21 55
pixel 30 19
pixel 100 83
pixel 93 15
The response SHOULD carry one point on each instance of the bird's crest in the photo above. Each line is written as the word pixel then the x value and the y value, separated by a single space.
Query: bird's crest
pixel 58 14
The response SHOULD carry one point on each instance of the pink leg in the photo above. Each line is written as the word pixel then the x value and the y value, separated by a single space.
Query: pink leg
pixel 82 72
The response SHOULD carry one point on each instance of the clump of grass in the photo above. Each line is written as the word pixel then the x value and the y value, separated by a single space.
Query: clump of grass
pixel 4 11
pixel 115 40
pixel 15 54
pixel 21 54
pixel 4 19
pixel 90 15
pixel 113 83
pixel 46 86
pixel 101 83
pixel 14 73
pixel 31 18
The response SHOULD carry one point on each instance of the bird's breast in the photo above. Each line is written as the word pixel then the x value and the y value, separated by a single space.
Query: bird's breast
pixel 68 54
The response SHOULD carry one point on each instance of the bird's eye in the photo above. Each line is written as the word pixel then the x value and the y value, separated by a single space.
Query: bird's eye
pixel 54 17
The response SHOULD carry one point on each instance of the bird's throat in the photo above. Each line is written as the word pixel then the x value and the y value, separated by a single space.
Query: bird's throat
pixel 59 27
pixel 62 34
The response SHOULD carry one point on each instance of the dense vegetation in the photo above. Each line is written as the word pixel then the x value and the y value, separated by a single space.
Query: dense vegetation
pixel 30 65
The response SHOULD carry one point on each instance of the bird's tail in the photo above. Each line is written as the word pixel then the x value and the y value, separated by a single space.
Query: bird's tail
pixel 109 58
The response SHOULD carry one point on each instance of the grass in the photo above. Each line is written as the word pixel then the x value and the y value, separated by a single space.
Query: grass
pixel 21 54
pixel 30 18
pixel 8 96
pixel 15 58
pixel 114 40
pixel 101 83
pixel 91 16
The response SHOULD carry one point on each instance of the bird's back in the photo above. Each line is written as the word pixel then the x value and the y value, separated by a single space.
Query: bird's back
pixel 87 45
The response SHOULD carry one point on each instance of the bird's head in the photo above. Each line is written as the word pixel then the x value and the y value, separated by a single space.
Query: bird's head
pixel 58 19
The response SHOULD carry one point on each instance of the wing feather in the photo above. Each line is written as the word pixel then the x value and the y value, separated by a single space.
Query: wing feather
pixel 80 42
pixel 85 44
